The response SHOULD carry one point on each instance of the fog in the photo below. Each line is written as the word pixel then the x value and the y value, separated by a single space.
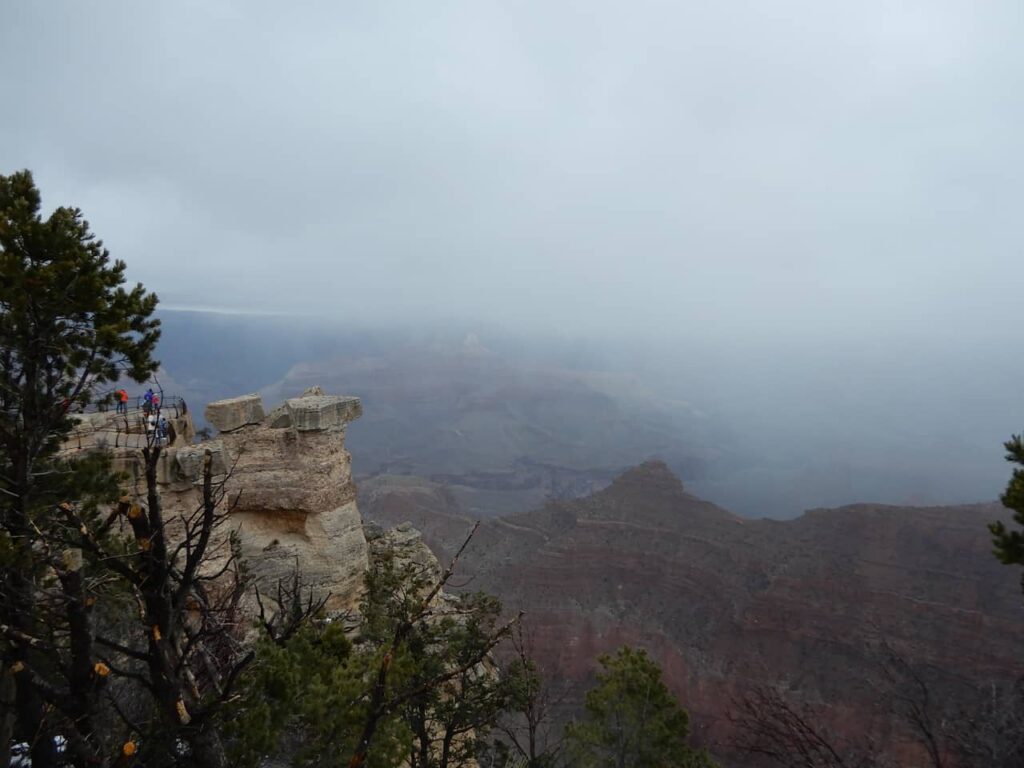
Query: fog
pixel 778 211
pixel 761 429
pixel 595 165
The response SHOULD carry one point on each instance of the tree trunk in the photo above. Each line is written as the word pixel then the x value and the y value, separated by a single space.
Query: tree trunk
pixel 208 749
pixel 7 694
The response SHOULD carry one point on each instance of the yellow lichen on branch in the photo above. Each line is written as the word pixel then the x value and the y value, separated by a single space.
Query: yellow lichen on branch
pixel 183 716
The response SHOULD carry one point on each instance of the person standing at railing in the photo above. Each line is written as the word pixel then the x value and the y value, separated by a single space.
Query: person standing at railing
pixel 122 401
pixel 147 401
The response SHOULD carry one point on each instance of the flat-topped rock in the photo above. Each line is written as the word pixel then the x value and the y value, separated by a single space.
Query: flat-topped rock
pixel 320 412
pixel 235 412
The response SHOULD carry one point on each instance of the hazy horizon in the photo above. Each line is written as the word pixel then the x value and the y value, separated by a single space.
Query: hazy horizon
pixel 759 428
pixel 727 169
pixel 773 247
pixel 800 216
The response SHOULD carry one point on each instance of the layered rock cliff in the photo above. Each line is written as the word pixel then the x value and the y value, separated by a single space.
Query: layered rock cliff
pixel 289 488
pixel 725 603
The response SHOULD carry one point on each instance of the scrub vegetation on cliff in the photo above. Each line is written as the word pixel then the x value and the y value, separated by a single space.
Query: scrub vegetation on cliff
pixel 133 636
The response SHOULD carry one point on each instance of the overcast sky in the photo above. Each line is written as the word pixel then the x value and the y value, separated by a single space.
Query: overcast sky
pixel 589 165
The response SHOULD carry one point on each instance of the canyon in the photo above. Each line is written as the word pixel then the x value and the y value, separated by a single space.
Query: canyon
pixel 726 604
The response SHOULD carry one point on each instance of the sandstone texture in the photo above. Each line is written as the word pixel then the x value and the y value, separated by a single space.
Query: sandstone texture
pixel 235 413
pixel 189 460
pixel 289 489
pixel 316 413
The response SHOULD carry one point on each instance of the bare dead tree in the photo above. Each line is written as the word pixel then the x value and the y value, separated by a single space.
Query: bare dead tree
pixel 190 611
pixel 163 673
pixel 991 733
pixel 908 695
pixel 531 725
pixel 959 723
pixel 955 722
pixel 772 727
pixel 296 605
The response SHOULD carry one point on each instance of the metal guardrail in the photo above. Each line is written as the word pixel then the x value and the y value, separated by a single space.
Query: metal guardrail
pixel 172 404
pixel 128 427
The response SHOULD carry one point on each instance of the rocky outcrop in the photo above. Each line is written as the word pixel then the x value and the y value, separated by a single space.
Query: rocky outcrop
pixel 405 544
pixel 235 413
pixel 316 413
pixel 289 489
pixel 189 460
pixel 287 482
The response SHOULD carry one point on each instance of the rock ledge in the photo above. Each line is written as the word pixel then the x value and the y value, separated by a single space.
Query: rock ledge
pixel 235 413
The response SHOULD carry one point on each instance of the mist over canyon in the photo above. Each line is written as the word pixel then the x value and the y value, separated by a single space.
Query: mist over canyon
pixel 617 483
pixel 762 425
pixel 702 317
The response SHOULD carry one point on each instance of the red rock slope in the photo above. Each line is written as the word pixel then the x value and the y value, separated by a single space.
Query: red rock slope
pixel 725 603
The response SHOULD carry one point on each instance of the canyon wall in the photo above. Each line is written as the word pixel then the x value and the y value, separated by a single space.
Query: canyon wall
pixel 727 604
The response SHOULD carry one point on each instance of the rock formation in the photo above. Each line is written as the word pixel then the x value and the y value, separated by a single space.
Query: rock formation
pixel 289 488
pixel 405 544
pixel 235 413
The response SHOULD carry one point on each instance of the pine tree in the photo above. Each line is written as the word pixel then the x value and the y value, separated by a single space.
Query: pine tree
pixel 632 720
pixel 68 327
pixel 1009 544
pixel 406 681
pixel 304 699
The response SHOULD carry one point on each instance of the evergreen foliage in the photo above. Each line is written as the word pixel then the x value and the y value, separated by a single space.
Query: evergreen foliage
pixel 1009 544
pixel 412 668
pixel 450 694
pixel 68 327
pixel 305 699
pixel 632 720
